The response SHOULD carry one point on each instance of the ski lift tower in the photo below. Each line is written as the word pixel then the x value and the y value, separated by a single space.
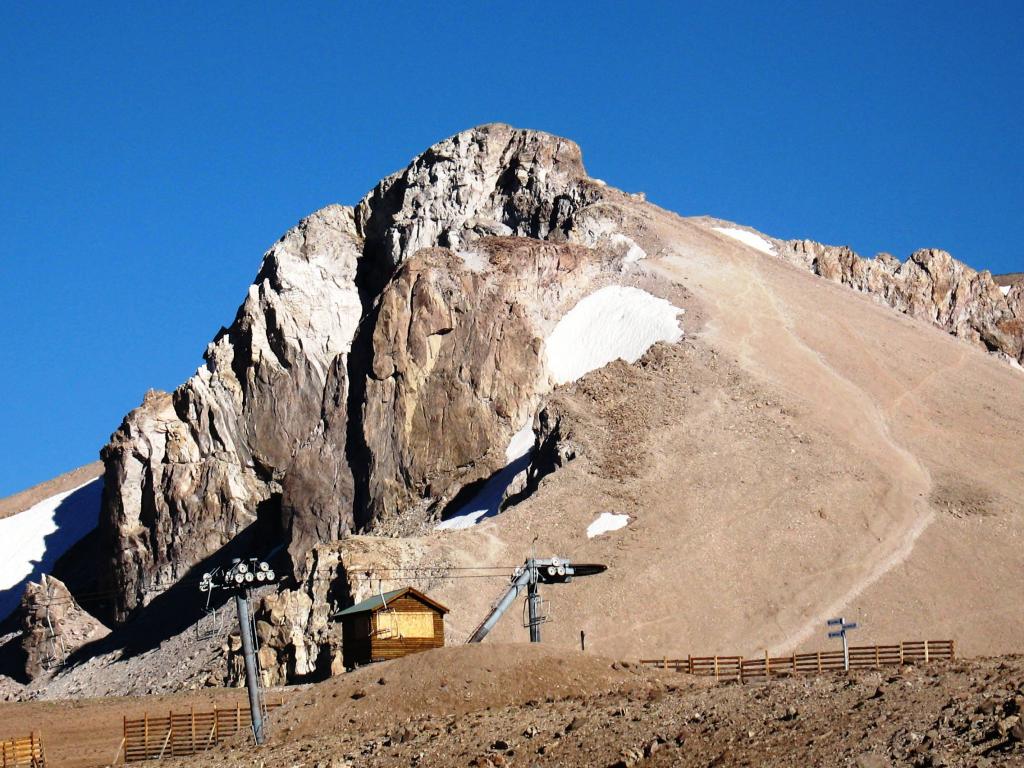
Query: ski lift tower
pixel 529 576
pixel 242 576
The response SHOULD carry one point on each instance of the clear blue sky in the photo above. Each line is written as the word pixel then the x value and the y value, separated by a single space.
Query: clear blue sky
pixel 150 152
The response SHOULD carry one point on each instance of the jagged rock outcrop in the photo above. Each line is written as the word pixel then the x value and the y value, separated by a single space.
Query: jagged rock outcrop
pixel 931 285
pixel 272 427
pixel 458 362
pixel 185 473
pixel 53 626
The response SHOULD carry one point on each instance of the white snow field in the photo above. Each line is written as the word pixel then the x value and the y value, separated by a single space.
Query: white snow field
pixel 1005 289
pixel 32 541
pixel 611 323
pixel 605 523
pixel 747 238
pixel 486 503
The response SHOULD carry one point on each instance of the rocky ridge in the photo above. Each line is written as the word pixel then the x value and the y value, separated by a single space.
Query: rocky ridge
pixel 931 286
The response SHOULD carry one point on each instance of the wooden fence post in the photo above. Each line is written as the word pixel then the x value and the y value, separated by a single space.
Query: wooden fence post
pixel 689 663
pixel 716 669
pixel 901 653
pixel 952 649
pixel 925 651
pixel 794 662
pixel 664 662
pixel 878 661
pixel 145 735
pixel 819 662
pixel 767 665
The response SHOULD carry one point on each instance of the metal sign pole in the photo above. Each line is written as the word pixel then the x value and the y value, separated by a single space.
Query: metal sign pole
pixel 841 633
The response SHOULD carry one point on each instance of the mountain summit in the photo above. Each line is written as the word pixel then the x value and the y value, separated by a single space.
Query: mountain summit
pixel 493 349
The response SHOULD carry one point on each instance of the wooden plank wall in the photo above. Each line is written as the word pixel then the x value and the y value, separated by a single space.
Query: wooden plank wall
pixel 383 648
pixel 183 733
pixel 23 751
pixel 763 667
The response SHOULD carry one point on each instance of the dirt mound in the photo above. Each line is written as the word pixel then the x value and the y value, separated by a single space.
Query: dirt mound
pixel 453 681
pixel 957 714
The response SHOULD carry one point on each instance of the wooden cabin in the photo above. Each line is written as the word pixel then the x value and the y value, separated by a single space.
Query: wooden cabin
pixel 391 625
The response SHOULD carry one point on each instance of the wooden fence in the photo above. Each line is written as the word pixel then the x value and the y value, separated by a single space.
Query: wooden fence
pixel 182 733
pixel 26 751
pixel 764 667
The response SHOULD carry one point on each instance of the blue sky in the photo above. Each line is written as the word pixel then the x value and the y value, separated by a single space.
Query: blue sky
pixel 152 152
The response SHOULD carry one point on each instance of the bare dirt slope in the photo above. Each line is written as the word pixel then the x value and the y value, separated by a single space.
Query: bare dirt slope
pixel 19 502
pixel 507 706
pixel 804 452
pixel 86 733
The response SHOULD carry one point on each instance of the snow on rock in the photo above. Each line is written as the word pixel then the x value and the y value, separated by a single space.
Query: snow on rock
pixel 32 541
pixel 606 522
pixel 487 502
pixel 1005 289
pixel 747 238
pixel 611 323
pixel 634 252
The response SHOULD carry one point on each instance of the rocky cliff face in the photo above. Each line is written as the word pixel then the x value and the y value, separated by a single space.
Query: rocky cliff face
pixel 931 285
pixel 317 408
pixel 186 473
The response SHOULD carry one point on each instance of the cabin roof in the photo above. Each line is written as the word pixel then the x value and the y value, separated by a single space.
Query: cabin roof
pixel 377 602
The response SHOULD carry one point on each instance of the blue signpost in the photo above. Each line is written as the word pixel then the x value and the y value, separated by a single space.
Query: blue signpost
pixel 841 633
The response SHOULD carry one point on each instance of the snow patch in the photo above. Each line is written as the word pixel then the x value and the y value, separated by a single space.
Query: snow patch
pixel 487 502
pixel 747 238
pixel 606 522
pixel 611 323
pixel 1005 289
pixel 634 252
pixel 32 541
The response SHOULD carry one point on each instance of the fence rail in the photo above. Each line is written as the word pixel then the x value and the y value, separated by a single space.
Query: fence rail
pixel 24 751
pixel 179 734
pixel 764 667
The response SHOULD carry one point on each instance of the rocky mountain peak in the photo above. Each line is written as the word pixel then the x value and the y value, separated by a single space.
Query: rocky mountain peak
pixel 290 426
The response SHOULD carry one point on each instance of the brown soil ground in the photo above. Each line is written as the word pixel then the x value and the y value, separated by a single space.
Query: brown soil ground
pixel 514 705
pixel 19 502
pixel 85 733
pixel 1009 278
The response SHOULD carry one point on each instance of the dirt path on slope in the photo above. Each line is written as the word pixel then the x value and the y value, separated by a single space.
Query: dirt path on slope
pixel 748 317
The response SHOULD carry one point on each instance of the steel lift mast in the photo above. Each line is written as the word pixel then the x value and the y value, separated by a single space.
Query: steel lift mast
pixel 529 577
pixel 243 575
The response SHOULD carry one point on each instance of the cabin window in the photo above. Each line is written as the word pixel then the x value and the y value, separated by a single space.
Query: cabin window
pixel 405 624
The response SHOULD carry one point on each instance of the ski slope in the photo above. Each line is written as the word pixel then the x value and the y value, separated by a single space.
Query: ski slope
pixel 32 541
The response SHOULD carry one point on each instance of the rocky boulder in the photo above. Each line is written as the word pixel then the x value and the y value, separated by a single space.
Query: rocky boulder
pixel 53 626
